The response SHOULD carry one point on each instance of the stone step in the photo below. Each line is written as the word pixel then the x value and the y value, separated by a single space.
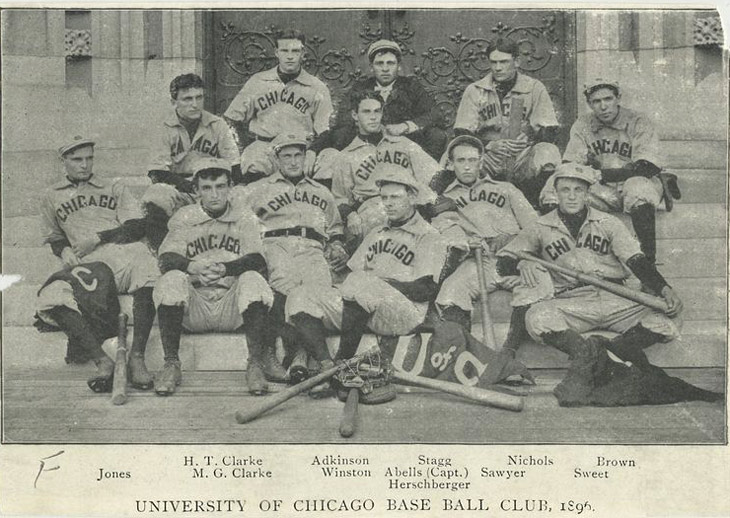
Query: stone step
pixel 701 185
pixel 704 299
pixel 702 345
pixel 695 154
pixel 687 220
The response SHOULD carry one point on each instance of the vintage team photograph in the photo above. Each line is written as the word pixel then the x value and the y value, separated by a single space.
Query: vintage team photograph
pixel 440 226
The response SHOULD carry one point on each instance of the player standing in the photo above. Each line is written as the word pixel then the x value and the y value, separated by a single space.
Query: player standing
pixel 624 146
pixel 528 159
pixel 88 219
pixel 189 134
pixel 284 99
pixel 213 276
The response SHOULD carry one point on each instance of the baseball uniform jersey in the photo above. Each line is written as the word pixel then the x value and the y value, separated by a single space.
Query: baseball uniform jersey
pixel 76 211
pixel 199 237
pixel 630 137
pixel 601 249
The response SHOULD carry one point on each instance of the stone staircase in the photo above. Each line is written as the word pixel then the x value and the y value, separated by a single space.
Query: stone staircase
pixel 691 255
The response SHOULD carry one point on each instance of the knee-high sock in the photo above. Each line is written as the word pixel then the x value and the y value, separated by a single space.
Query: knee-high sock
pixel 143 313
pixel 354 325
pixel 314 334
pixel 569 341
pixel 517 331
pixel 155 224
pixel 457 315
pixel 78 330
pixel 170 320
pixel 643 219
pixel 255 319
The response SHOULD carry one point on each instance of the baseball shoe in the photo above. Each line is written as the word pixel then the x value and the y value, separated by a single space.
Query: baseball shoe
pixel 76 354
pixel 579 381
pixel 168 378
pixel 326 388
pixel 255 378
pixel 273 371
pixel 137 373
pixel 103 379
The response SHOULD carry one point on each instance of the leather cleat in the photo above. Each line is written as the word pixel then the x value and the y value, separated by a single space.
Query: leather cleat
pixel 273 370
pixel 168 378
pixel 103 380
pixel 255 379
pixel 137 374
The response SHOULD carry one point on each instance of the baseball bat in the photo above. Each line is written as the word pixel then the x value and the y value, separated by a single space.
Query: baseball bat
pixel 514 127
pixel 617 289
pixel 487 327
pixel 478 395
pixel 244 416
pixel 119 385
pixel 348 425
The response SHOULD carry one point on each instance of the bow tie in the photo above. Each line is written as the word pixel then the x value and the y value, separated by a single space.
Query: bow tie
pixel 384 91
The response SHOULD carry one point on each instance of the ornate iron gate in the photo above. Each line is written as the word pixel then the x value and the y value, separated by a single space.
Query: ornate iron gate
pixel 446 49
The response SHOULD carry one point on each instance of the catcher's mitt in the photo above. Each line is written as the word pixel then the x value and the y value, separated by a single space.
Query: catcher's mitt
pixel 371 378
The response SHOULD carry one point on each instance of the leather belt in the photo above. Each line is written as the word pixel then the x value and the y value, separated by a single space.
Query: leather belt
pixel 305 232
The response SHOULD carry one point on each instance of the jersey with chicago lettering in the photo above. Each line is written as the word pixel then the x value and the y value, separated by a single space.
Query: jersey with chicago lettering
pixel 630 137
pixel 352 180
pixel 486 209
pixel 302 106
pixel 95 294
pixel 404 253
pixel 76 211
pixel 603 246
pixel 199 237
pixel 175 151
pixel 481 112
pixel 280 204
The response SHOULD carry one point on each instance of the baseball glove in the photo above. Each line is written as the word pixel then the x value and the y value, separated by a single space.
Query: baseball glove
pixel 371 378
pixel 336 255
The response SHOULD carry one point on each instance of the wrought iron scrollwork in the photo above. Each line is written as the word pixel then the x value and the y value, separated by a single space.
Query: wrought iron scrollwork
pixel 446 71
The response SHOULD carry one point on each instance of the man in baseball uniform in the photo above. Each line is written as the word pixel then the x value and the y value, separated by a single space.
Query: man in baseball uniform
pixel 353 186
pixel 408 109
pixel 86 219
pixel 395 274
pixel 188 134
pixel 623 146
pixel 589 241
pixel 489 215
pixel 214 276
pixel 284 99
pixel 529 158
pixel 302 231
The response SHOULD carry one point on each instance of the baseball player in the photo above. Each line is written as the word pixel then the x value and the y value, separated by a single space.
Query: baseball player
pixel 587 240
pixel 213 276
pixel 89 219
pixel 408 109
pixel 284 99
pixel 489 214
pixel 189 134
pixel 353 185
pixel 528 159
pixel 302 231
pixel 395 274
pixel 624 147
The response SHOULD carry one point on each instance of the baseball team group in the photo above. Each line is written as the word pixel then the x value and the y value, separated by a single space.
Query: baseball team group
pixel 283 219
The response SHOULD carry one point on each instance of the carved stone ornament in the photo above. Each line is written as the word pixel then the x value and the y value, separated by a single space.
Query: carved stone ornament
pixel 708 31
pixel 78 43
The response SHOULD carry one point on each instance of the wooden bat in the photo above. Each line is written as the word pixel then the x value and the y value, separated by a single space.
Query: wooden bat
pixel 487 327
pixel 119 385
pixel 244 416
pixel 348 425
pixel 478 395
pixel 617 289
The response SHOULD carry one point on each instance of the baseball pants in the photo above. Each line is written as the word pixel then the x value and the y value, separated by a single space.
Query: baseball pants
pixel 167 197
pixel 295 261
pixel 212 308
pixel 527 164
pixel 588 308
pixel 256 157
pixel 615 197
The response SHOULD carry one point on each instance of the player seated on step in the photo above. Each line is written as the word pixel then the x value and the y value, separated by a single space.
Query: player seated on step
pixel 214 276
pixel 489 214
pixel 528 157
pixel 394 276
pixel 408 109
pixel 589 241
pixel 87 219
pixel 623 146
pixel 302 239
pixel 283 99
pixel 354 170
pixel 188 134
